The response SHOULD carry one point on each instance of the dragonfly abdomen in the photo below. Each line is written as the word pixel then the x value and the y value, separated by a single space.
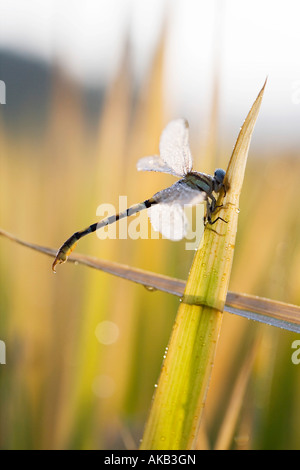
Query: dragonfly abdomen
pixel 127 213
pixel 69 245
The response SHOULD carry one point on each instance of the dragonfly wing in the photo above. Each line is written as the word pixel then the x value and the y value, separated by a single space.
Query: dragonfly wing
pixel 154 163
pixel 174 147
pixel 167 215
pixel 169 219
pixel 180 193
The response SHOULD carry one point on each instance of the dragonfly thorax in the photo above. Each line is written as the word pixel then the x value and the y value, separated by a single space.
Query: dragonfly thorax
pixel 200 181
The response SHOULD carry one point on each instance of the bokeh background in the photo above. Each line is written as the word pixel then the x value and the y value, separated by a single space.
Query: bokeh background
pixel 89 87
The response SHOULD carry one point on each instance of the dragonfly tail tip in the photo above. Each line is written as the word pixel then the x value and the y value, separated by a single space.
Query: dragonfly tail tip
pixel 55 262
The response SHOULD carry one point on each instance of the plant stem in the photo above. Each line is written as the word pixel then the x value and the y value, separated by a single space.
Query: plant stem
pixel 181 392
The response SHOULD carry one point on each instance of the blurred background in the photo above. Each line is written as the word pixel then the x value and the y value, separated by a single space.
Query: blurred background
pixel 89 87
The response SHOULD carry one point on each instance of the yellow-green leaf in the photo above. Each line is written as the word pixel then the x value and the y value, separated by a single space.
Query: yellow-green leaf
pixel 180 395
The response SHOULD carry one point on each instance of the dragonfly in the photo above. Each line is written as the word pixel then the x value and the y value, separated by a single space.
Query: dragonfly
pixel 166 208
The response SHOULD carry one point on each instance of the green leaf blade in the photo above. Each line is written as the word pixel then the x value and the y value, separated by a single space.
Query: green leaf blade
pixel 180 395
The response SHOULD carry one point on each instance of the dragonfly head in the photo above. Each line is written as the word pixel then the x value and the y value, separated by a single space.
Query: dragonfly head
pixel 219 176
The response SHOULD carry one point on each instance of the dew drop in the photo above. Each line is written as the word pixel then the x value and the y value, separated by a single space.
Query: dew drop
pixel 150 288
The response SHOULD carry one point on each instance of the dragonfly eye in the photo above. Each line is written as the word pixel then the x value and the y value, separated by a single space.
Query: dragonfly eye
pixel 219 176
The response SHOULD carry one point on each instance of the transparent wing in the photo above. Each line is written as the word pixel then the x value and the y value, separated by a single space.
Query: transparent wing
pixel 174 147
pixel 169 220
pixel 167 215
pixel 180 193
pixel 154 163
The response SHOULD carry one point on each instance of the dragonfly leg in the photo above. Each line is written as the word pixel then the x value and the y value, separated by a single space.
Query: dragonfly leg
pixel 211 207
pixel 212 222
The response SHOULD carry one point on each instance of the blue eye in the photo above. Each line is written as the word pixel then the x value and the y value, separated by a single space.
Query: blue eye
pixel 219 175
